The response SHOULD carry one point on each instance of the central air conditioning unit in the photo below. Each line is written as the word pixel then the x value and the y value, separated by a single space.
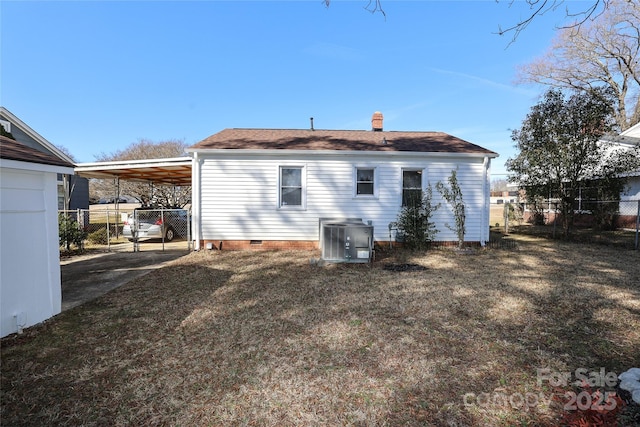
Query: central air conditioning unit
pixel 346 240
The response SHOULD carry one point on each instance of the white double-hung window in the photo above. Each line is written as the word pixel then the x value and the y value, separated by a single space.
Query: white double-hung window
pixel 365 184
pixel 292 187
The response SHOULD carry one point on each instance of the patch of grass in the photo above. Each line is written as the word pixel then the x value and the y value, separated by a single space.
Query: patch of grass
pixel 618 238
pixel 266 338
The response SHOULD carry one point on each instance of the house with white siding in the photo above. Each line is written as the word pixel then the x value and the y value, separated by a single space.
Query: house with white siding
pixel 628 140
pixel 268 188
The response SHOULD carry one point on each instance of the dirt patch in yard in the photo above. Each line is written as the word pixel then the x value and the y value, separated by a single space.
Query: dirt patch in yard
pixel 266 338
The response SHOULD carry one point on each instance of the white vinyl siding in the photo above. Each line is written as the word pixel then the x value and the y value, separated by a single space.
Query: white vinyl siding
pixel 240 194
pixel 470 180
pixel 632 191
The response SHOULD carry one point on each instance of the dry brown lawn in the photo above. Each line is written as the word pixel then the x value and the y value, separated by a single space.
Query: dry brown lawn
pixel 267 339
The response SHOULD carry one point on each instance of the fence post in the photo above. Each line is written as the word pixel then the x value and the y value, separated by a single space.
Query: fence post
pixel 637 224
pixel 189 238
pixel 108 233
pixel 506 218
pixel 82 227
pixel 555 217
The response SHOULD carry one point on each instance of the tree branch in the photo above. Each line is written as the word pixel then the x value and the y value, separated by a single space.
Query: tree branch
pixel 540 7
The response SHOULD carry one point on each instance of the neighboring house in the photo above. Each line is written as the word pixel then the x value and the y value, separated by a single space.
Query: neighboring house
pixel 268 188
pixel 627 208
pixel 501 197
pixel 629 139
pixel 73 191
pixel 30 287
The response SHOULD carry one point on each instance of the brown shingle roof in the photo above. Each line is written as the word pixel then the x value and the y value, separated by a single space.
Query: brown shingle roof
pixel 14 150
pixel 350 140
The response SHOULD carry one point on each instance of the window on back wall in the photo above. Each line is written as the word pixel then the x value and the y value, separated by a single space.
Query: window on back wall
pixel 411 187
pixel 365 180
pixel 291 186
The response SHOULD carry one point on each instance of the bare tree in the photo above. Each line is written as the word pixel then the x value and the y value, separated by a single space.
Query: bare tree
pixel 499 184
pixel 146 149
pixel 147 193
pixel 577 15
pixel 372 6
pixel 66 151
pixel 600 53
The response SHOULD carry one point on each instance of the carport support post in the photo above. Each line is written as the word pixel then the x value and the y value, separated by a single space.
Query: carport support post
pixel 175 199
pixel 164 226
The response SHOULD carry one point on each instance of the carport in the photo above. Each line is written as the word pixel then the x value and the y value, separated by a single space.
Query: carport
pixel 89 276
pixel 174 172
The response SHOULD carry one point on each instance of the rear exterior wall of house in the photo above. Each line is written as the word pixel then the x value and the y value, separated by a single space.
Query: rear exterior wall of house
pixel 241 199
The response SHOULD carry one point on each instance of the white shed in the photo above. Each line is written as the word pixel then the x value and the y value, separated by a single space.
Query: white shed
pixel 30 289
pixel 268 188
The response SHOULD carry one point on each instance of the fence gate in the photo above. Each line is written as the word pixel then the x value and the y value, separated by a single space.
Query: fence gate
pixel 158 227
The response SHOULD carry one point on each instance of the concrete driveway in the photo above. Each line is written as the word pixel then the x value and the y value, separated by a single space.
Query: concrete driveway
pixel 86 277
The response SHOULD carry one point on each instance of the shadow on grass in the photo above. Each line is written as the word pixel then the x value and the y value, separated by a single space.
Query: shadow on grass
pixel 265 338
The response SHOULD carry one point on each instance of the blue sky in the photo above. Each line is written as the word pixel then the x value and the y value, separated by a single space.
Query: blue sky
pixel 96 76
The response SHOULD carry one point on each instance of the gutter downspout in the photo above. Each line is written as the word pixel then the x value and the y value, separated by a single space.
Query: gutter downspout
pixel 484 224
pixel 195 201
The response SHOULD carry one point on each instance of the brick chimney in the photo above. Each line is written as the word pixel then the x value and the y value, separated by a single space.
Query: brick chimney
pixel 376 121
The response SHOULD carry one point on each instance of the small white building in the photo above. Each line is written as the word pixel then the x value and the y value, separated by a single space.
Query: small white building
pixel 30 288
pixel 268 188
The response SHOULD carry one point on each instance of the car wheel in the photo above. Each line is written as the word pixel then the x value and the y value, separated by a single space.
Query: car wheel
pixel 169 235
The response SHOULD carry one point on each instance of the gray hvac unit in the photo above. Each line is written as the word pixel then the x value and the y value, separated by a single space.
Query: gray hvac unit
pixel 347 240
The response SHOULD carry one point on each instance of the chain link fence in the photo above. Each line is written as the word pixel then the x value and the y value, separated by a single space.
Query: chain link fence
pixel 620 219
pixel 108 227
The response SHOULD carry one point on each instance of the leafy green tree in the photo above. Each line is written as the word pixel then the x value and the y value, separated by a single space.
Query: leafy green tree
pixel 453 195
pixel 414 224
pixel 560 149
pixel 69 232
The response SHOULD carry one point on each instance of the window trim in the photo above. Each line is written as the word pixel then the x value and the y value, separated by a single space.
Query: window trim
pixel 6 125
pixel 375 182
pixel 403 170
pixel 303 187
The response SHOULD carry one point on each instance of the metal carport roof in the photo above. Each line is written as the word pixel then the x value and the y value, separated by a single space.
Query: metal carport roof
pixel 172 171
